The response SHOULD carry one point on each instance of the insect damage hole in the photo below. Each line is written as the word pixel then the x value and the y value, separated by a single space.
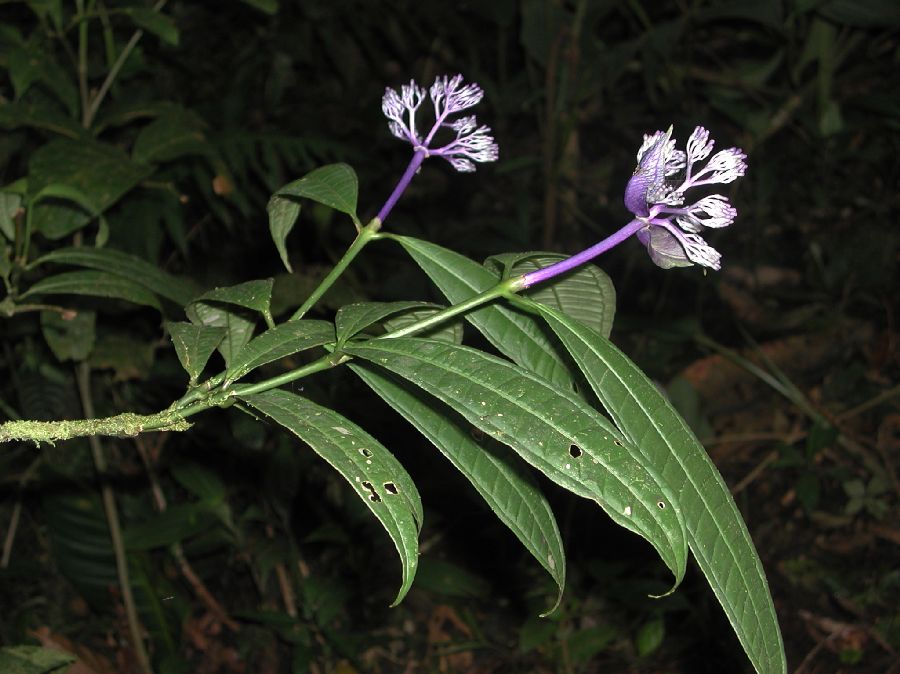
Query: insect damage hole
pixel 373 495
pixel 661 505
pixel 365 452
pixel 391 488
pixel 575 451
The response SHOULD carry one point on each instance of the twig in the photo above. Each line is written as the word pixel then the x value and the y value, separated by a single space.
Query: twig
pixel 16 514
pixel 83 376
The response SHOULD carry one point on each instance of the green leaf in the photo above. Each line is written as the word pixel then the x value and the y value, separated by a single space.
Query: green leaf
pixel 650 637
pixel 552 429
pixel 173 525
pixel 352 319
pixel 283 213
pixel 39 114
pixel 154 22
pixel 94 283
pixel 34 660
pixel 448 331
pixel 69 338
pixel 33 63
pixel 375 475
pixel 517 336
pixel 238 327
pixel 194 344
pixel 506 486
pixel 254 295
pixel 176 133
pixel 128 266
pixel 101 172
pixel 66 193
pixel 9 206
pixel 279 342
pixel 717 534
pixel 585 294
pixel 267 6
pixel 334 185
pixel 200 481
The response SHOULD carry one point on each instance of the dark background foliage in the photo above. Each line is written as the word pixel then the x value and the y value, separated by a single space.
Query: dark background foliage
pixel 785 362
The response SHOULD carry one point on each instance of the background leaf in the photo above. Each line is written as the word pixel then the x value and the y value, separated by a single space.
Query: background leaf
pixel 95 283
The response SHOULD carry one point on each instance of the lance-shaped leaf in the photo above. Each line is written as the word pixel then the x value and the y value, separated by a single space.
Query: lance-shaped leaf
pixel 334 185
pixel 519 337
pixel 194 344
pixel 128 266
pixel 717 534
pixel 552 429
pixel 279 342
pixel 94 283
pixel 254 295
pixel 351 319
pixel 375 475
pixel 506 486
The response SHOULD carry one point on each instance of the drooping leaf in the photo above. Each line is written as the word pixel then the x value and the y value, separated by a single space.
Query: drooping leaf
pixel 552 429
pixel 717 534
pixel 238 326
pixel 506 486
pixel 519 337
pixel 176 133
pixel 352 319
pixel 586 294
pixel 153 22
pixel 448 331
pixel 279 342
pixel 128 266
pixel 334 185
pixel 69 337
pixel 372 471
pixel 194 344
pixel 102 172
pixel 94 283
pixel 283 214
pixel 254 295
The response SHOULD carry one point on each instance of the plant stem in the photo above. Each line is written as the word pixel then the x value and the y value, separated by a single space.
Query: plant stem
pixel 363 237
pixel 531 278
pixel 83 375
pixel 403 183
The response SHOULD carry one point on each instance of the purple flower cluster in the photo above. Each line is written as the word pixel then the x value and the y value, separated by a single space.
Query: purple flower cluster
pixel 671 228
pixel 449 96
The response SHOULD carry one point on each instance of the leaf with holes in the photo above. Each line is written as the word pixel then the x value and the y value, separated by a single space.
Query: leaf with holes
pixel 352 319
pixel 375 475
pixel 505 485
pixel 552 429
pixel 717 534
pixel 194 344
pixel 279 342
pixel 519 337
pixel 93 283
pixel 128 266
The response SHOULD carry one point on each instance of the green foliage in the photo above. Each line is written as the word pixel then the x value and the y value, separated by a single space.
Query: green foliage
pixel 141 163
